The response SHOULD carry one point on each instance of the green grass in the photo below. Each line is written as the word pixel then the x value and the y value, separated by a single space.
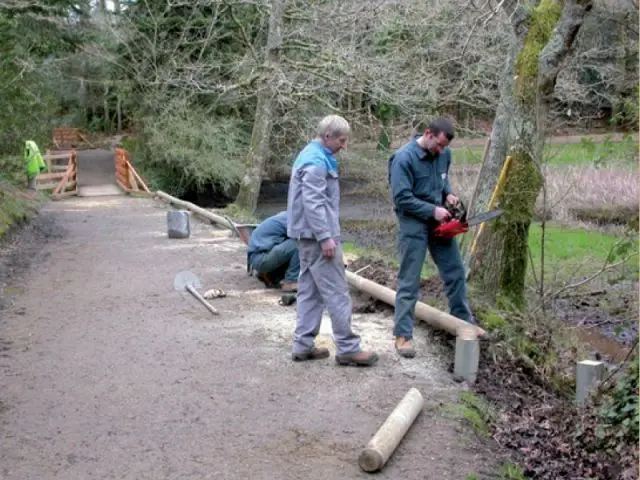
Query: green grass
pixel 585 153
pixel 474 410
pixel 570 250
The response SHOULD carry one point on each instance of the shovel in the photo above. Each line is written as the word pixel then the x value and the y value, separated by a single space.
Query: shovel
pixel 187 280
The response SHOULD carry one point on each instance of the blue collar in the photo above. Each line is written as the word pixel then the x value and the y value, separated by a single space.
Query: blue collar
pixel 333 162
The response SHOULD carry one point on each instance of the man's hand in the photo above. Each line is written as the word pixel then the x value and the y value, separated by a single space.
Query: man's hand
pixel 452 199
pixel 328 248
pixel 441 214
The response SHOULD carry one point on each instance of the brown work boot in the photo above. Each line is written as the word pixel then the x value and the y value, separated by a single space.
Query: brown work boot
pixel 315 354
pixel 288 286
pixel 405 348
pixel 267 281
pixel 359 359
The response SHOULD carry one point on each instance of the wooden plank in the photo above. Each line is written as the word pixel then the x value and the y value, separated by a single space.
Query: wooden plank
pixel 135 174
pixel 122 179
pixel 46 186
pixel 132 180
pixel 53 186
pixel 126 189
pixel 71 185
pixel 64 180
pixel 50 176
pixel 62 195
pixel 57 156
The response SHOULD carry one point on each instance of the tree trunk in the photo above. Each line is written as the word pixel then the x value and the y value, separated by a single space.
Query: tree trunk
pixel 543 38
pixel 107 113
pixel 259 149
pixel 119 111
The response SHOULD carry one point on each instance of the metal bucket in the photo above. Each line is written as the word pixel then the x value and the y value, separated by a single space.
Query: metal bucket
pixel 178 224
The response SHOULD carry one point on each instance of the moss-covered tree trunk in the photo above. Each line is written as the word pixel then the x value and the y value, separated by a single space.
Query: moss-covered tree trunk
pixel 544 32
pixel 259 149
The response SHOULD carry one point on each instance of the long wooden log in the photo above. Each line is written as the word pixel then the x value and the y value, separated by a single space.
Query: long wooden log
pixel 195 209
pixel 434 317
pixel 392 431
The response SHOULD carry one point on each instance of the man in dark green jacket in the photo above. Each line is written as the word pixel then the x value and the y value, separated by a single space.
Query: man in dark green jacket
pixel 418 174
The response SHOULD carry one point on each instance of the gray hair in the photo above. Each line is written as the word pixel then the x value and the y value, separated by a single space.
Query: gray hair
pixel 334 125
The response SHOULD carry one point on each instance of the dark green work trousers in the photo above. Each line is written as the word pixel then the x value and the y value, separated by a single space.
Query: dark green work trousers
pixel 414 238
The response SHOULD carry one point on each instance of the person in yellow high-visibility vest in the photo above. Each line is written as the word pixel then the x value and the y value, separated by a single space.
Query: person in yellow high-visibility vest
pixel 34 163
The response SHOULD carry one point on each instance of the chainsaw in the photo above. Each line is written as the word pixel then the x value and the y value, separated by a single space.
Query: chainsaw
pixel 458 223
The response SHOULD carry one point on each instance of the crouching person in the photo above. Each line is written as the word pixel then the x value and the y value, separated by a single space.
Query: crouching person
pixel 273 255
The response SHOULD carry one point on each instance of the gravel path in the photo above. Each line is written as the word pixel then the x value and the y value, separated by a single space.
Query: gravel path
pixel 108 373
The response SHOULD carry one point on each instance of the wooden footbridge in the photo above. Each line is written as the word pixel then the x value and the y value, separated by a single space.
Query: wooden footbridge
pixel 86 172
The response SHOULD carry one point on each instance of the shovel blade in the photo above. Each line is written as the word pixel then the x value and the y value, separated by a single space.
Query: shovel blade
pixel 184 278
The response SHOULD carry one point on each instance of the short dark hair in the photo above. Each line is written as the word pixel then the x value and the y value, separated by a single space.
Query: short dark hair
pixel 442 125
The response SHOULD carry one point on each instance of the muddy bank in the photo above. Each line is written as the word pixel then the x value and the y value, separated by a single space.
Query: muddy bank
pixel 531 417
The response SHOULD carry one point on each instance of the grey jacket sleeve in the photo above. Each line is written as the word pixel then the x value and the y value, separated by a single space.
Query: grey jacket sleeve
pixel 314 184
pixel 401 177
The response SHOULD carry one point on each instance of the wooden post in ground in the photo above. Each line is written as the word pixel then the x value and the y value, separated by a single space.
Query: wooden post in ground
pixel 467 356
pixel 588 373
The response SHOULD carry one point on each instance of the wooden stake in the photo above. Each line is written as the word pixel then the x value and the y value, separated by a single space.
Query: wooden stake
pixel 392 431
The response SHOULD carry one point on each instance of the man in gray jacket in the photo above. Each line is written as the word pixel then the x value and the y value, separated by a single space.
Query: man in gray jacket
pixel 313 211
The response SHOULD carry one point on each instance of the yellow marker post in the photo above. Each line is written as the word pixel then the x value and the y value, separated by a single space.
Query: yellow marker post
pixel 492 202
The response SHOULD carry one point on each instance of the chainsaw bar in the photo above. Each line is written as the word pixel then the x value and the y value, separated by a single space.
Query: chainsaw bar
pixel 483 217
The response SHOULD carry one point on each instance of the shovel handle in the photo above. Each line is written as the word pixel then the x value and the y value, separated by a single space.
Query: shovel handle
pixel 195 293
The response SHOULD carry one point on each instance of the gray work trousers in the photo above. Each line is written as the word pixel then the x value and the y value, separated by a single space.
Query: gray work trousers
pixel 322 283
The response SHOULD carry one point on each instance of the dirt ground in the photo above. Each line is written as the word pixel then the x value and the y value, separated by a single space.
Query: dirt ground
pixel 107 372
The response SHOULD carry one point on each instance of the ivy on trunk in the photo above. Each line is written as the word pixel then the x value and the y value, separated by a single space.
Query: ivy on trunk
pixel 544 32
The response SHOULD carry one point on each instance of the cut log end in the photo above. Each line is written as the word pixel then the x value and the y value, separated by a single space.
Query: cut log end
pixel 370 460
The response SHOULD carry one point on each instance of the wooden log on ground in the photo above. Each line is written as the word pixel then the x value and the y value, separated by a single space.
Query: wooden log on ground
pixel 392 431
pixel 195 209
pixel 434 317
